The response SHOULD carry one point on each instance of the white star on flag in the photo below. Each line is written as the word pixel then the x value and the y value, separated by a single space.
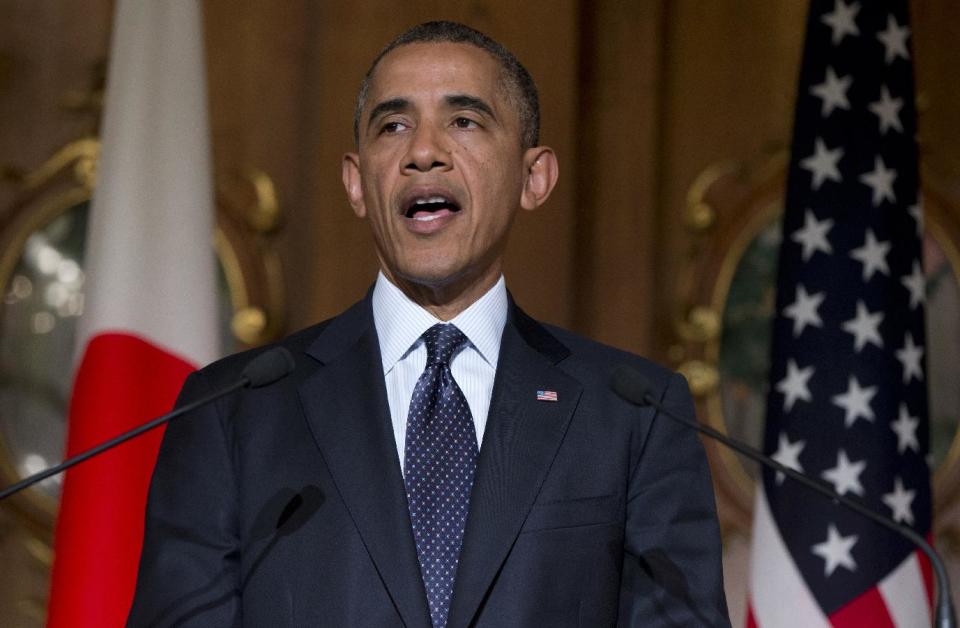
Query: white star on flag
pixel 894 40
pixel 880 180
pixel 855 402
pixel 845 477
pixel 916 210
pixel 887 109
pixel 788 454
pixel 873 256
pixel 794 385
pixel 803 310
pixel 836 551
pixel 813 235
pixel 833 92
pixel 910 357
pixel 865 327
pixel 906 429
pixel 842 21
pixel 900 502
pixel 822 164
pixel 916 284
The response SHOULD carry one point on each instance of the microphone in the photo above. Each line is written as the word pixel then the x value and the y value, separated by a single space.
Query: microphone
pixel 268 367
pixel 635 388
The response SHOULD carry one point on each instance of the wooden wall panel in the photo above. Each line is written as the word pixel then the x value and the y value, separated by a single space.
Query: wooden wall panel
pixel 936 41
pixel 616 169
pixel 48 55
pixel 730 72
pixel 257 52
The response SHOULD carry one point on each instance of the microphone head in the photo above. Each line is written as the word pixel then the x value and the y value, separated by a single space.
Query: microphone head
pixel 632 385
pixel 268 367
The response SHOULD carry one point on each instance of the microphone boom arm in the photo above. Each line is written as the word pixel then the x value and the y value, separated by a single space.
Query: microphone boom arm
pixel 266 368
pixel 117 440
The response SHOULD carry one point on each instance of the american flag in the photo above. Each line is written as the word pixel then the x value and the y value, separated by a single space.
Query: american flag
pixel 847 401
pixel 546 395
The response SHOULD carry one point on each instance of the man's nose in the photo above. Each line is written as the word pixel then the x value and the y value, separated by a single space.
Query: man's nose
pixel 427 151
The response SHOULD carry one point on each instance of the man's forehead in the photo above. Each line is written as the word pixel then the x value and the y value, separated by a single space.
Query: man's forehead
pixel 446 67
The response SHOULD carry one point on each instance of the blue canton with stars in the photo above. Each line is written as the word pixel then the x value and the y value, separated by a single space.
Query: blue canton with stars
pixel 847 402
pixel 440 460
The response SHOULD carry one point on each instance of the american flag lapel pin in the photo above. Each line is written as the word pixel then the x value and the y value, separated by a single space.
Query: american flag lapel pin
pixel 546 395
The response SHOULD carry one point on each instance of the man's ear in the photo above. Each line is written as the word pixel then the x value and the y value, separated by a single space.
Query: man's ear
pixel 351 183
pixel 542 171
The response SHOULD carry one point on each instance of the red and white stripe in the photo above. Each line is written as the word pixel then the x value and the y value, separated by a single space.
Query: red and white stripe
pixel 779 597
pixel 150 304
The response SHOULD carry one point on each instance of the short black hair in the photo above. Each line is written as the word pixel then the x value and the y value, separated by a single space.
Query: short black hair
pixel 519 83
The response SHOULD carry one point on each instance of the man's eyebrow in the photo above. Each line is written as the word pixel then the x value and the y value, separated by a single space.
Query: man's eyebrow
pixel 388 106
pixel 466 101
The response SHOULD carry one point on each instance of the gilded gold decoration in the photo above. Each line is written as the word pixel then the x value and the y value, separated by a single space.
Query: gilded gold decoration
pixel 250 193
pixel 700 216
pixel 702 377
pixel 248 324
pixel 40 551
pixel 82 153
pixel 85 171
pixel 249 212
pixel 248 328
pixel 702 324
pixel 264 215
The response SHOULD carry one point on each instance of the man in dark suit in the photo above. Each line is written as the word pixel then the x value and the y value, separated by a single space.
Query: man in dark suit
pixel 437 457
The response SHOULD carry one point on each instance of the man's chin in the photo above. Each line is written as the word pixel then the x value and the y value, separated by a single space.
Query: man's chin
pixel 432 277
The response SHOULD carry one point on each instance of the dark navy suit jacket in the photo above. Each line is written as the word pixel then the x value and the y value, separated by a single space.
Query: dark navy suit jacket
pixel 285 505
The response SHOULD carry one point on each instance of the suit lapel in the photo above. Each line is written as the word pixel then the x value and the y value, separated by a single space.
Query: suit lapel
pixel 346 406
pixel 521 440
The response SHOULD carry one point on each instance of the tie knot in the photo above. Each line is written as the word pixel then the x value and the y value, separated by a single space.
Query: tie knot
pixel 442 340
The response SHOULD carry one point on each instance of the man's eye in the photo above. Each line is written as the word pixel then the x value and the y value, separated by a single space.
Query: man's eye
pixel 465 123
pixel 393 127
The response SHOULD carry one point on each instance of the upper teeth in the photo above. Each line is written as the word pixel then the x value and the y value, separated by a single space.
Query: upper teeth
pixel 432 199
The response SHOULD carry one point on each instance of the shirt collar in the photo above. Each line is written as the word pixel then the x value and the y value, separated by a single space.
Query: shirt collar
pixel 400 322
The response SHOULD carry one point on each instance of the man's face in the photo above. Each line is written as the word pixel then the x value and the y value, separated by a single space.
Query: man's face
pixel 440 170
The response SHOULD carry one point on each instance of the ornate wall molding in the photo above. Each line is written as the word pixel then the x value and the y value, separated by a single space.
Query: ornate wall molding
pixel 721 324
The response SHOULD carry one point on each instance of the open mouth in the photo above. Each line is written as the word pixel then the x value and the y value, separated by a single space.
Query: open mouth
pixel 428 208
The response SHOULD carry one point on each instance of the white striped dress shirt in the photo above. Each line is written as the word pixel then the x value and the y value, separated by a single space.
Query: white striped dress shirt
pixel 400 322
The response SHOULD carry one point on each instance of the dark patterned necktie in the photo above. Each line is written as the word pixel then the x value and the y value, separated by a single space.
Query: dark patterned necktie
pixel 440 457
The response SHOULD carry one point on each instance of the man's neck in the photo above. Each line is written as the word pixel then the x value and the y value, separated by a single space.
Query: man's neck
pixel 445 301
